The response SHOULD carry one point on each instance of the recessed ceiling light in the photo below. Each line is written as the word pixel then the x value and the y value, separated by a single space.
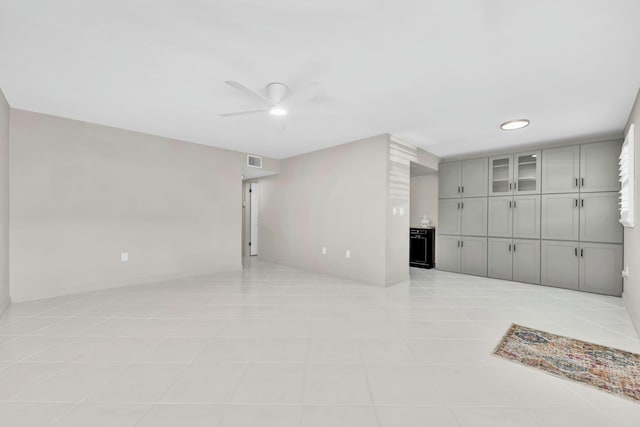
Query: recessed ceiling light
pixel 277 110
pixel 514 124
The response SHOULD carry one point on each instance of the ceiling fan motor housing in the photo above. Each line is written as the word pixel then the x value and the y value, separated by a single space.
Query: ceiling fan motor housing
pixel 276 92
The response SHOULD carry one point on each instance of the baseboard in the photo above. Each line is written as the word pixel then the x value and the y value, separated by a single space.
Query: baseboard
pixel 633 315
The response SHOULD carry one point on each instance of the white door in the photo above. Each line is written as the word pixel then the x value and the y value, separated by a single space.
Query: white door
pixel 254 198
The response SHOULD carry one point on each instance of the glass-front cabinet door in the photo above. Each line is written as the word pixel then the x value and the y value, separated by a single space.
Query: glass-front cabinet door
pixel 501 175
pixel 527 173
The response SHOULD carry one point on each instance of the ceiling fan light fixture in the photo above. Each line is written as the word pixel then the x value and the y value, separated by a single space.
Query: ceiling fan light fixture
pixel 277 110
pixel 514 124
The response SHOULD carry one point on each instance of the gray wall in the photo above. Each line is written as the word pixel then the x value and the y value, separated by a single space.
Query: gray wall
pixel 81 194
pixel 631 293
pixel 4 202
pixel 334 198
pixel 424 198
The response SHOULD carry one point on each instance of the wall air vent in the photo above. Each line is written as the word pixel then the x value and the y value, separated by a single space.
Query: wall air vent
pixel 254 161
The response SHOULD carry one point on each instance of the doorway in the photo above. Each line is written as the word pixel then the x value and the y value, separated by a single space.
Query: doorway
pixel 250 216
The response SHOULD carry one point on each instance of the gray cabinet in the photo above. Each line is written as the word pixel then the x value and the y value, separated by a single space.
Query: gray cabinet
pixel 474 178
pixel 559 264
pixel 560 169
pixel 500 221
pixel 526 172
pixel 501 175
pixel 449 180
pixel 473 216
pixel 448 253
pixel 517 216
pixel 449 216
pixel 600 268
pixel 526 261
pixel 599 218
pixel 599 166
pixel 560 216
pixel 473 255
pixel 526 217
pixel 589 267
pixel 516 259
pixel 515 174
pixel 499 259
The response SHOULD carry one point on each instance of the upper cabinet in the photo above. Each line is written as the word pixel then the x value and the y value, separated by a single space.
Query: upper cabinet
pixel 474 177
pixel 526 173
pixel 467 178
pixel 515 174
pixel 599 166
pixel 560 169
pixel 449 180
pixel 586 168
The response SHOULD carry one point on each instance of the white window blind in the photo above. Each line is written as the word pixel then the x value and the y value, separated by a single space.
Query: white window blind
pixel 627 180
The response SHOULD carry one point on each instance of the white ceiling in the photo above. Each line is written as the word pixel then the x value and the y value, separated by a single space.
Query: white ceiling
pixel 441 74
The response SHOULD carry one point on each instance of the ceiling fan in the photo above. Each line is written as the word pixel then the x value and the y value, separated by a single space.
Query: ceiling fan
pixel 277 99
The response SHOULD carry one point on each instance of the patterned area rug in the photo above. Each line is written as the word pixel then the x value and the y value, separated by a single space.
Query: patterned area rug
pixel 606 368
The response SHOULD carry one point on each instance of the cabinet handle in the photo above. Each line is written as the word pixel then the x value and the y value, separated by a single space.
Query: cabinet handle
pixel 582 182
pixel 458 205
pixel 575 251
pixel 458 243
pixel 581 252
pixel 462 188
pixel 582 203
pixel 509 204
pixel 515 185
pixel 576 202
pixel 462 243
pixel 514 247
pixel 509 247
pixel 462 204
pixel 576 181
pixel 514 204
pixel 509 186
pixel 458 189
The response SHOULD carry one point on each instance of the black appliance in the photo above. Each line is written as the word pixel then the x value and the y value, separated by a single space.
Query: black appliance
pixel 422 247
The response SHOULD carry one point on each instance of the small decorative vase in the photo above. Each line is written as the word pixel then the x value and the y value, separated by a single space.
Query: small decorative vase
pixel 425 221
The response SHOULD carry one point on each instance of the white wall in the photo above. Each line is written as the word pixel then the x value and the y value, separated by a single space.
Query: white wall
pixel 81 194
pixel 631 293
pixel 334 198
pixel 4 202
pixel 424 198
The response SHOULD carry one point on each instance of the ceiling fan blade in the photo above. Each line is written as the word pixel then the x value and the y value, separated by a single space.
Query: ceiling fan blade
pixel 242 113
pixel 242 88
pixel 306 93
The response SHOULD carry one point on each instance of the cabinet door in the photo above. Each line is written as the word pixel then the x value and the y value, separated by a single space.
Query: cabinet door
pixel 560 169
pixel 500 216
pixel 559 264
pixel 527 172
pixel 599 166
pixel 526 261
pixel 526 217
pixel 560 216
pixel 449 216
pixel 449 180
pixel 499 258
pixel 475 175
pixel 600 268
pixel 500 175
pixel 448 253
pixel 473 255
pixel 473 219
pixel 599 216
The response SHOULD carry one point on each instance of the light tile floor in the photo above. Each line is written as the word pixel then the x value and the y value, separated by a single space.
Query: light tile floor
pixel 275 346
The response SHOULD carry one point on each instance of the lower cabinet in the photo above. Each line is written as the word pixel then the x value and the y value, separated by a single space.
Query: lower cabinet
pixel 514 259
pixel 590 267
pixel 462 254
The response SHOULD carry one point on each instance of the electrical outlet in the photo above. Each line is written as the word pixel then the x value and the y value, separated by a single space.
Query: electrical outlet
pixel 348 254
pixel 324 250
pixel 124 256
